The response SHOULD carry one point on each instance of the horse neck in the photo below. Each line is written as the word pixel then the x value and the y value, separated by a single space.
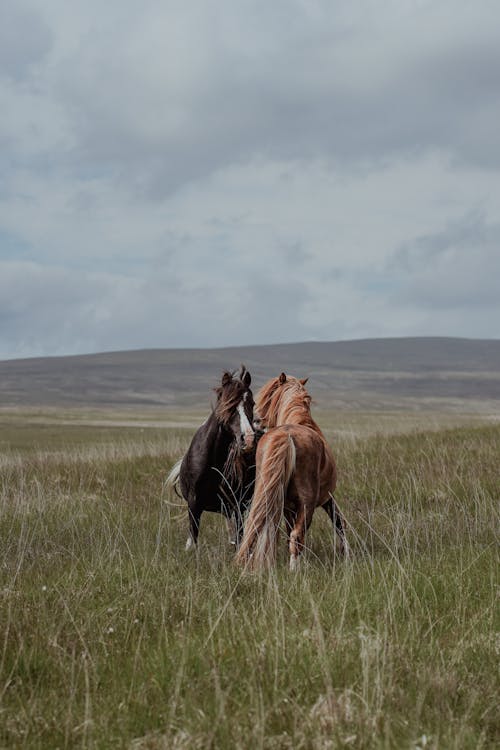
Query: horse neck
pixel 225 456
pixel 224 439
pixel 296 414
pixel 218 436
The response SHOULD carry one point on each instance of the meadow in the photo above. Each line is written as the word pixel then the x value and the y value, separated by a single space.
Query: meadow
pixel 111 636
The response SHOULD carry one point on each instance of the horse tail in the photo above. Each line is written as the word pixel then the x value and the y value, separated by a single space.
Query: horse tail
pixel 275 466
pixel 173 478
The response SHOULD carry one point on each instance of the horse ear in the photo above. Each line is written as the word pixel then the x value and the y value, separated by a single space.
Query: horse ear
pixel 226 378
pixel 303 381
pixel 282 378
pixel 245 376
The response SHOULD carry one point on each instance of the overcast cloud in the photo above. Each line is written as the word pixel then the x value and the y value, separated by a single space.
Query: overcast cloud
pixel 210 174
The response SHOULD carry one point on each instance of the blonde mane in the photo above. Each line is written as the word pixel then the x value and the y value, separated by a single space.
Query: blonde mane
pixel 284 400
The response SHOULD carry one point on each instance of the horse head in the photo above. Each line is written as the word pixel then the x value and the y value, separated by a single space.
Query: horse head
pixel 281 393
pixel 234 408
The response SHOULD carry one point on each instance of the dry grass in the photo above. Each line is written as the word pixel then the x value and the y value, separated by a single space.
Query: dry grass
pixel 111 637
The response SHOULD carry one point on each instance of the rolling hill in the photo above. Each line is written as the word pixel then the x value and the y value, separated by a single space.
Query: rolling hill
pixel 447 373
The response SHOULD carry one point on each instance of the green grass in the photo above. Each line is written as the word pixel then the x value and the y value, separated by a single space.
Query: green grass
pixel 111 636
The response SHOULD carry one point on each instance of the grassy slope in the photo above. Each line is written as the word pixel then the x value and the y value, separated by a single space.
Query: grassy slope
pixel 111 637
pixel 376 374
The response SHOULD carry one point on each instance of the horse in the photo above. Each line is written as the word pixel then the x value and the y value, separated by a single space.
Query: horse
pixel 217 472
pixel 295 474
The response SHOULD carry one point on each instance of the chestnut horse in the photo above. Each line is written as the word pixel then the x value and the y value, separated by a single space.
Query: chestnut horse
pixel 295 473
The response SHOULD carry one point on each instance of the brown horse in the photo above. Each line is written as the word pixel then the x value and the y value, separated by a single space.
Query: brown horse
pixel 295 473
pixel 217 472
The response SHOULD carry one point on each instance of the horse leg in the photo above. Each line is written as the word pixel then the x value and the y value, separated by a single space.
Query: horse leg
pixel 298 534
pixel 235 527
pixel 194 525
pixel 333 512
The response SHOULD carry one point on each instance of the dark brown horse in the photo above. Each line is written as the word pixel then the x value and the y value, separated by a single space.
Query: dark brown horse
pixel 295 473
pixel 217 473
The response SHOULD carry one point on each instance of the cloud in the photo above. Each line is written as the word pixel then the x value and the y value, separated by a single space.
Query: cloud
pixel 458 267
pixel 161 95
pixel 25 39
pixel 185 174
pixel 47 309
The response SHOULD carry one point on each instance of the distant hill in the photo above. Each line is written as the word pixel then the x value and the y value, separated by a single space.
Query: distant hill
pixel 447 373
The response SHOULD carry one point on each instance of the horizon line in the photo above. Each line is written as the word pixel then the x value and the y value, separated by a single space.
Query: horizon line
pixel 243 346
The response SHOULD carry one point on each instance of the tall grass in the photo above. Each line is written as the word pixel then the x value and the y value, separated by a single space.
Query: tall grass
pixel 110 636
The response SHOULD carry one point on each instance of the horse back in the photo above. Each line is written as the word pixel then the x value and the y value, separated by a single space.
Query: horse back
pixel 314 461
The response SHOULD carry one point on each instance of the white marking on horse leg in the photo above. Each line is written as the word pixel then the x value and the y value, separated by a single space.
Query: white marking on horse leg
pixel 294 562
pixel 346 549
pixel 231 528
pixel 189 544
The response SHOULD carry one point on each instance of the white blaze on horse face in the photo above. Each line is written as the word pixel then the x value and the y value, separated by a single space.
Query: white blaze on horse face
pixel 245 427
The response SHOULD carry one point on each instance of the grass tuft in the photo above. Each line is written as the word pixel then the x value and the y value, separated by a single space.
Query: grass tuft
pixel 111 636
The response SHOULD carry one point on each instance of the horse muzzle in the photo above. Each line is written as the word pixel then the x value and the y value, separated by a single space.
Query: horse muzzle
pixel 247 442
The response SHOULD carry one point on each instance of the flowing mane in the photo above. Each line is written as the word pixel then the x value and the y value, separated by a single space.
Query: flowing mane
pixel 295 473
pixel 284 400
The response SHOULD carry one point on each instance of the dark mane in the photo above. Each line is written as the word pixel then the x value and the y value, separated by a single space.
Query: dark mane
pixel 236 465
pixel 229 395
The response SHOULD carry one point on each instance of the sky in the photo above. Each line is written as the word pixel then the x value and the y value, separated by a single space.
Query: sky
pixel 220 173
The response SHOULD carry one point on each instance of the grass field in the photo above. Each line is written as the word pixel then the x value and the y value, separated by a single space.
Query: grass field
pixel 112 637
